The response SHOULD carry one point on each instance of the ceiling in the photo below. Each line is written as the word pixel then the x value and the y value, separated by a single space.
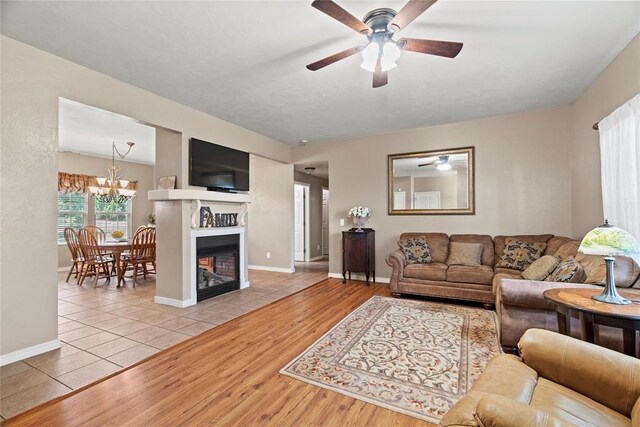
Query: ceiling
pixel 244 61
pixel 91 131
pixel 410 166
pixel 321 171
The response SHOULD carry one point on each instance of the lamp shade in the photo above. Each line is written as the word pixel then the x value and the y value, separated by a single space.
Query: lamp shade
pixel 608 240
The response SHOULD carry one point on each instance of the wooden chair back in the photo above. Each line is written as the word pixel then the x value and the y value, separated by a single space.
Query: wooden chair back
pixel 71 237
pixel 143 242
pixel 97 232
pixel 89 245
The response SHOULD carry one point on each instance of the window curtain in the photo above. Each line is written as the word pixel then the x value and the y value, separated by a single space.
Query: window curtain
pixel 620 166
pixel 77 183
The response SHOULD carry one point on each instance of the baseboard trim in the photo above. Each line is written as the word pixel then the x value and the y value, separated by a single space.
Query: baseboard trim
pixel 275 269
pixel 25 353
pixel 359 276
pixel 63 269
pixel 172 302
pixel 316 258
pixel 245 285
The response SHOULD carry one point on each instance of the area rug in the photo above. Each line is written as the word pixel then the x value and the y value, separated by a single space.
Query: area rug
pixel 414 357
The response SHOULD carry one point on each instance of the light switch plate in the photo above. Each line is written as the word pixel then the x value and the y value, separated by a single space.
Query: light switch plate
pixel 341 222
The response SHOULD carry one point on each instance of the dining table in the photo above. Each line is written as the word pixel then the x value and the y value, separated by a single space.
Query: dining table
pixel 117 247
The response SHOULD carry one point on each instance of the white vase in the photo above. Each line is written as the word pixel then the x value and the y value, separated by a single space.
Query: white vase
pixel 359 222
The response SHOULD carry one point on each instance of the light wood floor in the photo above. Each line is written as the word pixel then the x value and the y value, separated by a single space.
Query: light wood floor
pixel 229 375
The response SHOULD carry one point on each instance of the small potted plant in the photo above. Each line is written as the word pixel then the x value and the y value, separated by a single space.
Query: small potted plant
pixel 151 220
pixel 360 216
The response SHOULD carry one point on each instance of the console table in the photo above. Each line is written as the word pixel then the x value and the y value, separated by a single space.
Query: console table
pixel 359 253
pixel 592 312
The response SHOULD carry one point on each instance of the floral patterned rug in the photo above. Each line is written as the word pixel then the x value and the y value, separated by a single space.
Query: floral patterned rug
pixel 413 357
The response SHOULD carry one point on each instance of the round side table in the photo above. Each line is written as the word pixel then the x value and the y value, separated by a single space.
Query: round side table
pixel 592 312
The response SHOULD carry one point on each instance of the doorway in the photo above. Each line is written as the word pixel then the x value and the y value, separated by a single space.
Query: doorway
pixel 325 221
pixel 301 222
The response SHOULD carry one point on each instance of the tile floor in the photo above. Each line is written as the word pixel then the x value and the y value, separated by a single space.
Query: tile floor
pixel 105 329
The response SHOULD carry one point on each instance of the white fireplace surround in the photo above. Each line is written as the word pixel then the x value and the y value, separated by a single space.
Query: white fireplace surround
pixel 216 231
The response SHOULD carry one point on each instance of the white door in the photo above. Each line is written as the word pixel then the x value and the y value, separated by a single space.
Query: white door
pixel 298 229
pixel 325 221
pixel 399 200
pixel 426 200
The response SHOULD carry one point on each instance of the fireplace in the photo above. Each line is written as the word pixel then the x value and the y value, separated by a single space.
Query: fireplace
pixel 217 265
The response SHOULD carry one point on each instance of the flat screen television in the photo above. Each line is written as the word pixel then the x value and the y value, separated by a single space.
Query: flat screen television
pixel 218 168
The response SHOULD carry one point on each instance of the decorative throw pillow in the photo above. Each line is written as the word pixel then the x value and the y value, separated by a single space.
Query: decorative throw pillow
pixel 416 250
pixel 569 271
pixel 465 254
pixel 541 268
pixel 519 255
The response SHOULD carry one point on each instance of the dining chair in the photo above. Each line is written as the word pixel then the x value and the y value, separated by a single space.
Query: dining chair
pixel 140 254
pixel 77 260
pixel 97 232
pixel 96 263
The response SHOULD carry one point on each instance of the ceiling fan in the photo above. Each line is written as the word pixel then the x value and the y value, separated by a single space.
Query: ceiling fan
pixel 441 163
pixel 380 25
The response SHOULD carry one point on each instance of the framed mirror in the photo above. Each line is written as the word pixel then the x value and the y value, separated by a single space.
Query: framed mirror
pixel 439 182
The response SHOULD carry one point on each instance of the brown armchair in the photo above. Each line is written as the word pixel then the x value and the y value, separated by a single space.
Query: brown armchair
pixel 559 381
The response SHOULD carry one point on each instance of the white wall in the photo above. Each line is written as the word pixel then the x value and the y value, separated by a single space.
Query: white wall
pixel 31 83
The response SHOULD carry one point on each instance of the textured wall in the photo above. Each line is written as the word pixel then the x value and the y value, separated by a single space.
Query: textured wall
pixel 270 215
pixel 523 178
pixel 618 83
pixel 31 82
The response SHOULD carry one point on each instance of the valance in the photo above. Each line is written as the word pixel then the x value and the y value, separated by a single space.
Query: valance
pixel 78 183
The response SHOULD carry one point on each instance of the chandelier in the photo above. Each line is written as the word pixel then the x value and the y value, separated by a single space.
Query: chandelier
pixel 113 189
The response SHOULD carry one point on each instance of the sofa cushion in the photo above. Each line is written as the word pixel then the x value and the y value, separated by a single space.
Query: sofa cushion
pixel 430 271
pixel 554 243
pixel 570 248
pixel 416 250
pixel 465 254
pixel 573 407
pixel 519 255
pixel 499 241
pixel 438 244
pixel 488 253
pixel 541 268
pixel 625 270
pixel 466 274
pixel 568 271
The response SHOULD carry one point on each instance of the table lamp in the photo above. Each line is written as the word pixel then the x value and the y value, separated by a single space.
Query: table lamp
pixel 608 240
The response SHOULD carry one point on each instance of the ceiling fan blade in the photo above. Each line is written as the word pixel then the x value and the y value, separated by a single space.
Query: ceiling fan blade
pixel 333 58
pixel 426 164
pixel 379 76
pixel 338 13
pixel 409 13
pixel 432 47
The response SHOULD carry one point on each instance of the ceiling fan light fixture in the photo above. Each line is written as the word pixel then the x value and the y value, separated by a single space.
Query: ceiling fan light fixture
pixel 370 56
pixel 443 167
pixel 390 54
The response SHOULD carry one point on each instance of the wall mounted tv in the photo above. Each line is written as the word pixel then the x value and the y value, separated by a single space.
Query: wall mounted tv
pixel 218 168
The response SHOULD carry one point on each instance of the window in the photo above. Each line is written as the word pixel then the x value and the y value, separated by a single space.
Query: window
pixel 113 216
pixel 72 212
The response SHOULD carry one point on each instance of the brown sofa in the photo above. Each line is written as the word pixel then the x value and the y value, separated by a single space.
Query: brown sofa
pixel 520 304
pixel 560 381
pixel 437 279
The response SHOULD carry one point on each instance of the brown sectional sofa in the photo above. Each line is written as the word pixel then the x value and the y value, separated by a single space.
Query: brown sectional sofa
pixel 519 303
pixel 437 279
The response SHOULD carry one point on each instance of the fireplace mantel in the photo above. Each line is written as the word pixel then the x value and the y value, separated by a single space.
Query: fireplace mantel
pixel 202 195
